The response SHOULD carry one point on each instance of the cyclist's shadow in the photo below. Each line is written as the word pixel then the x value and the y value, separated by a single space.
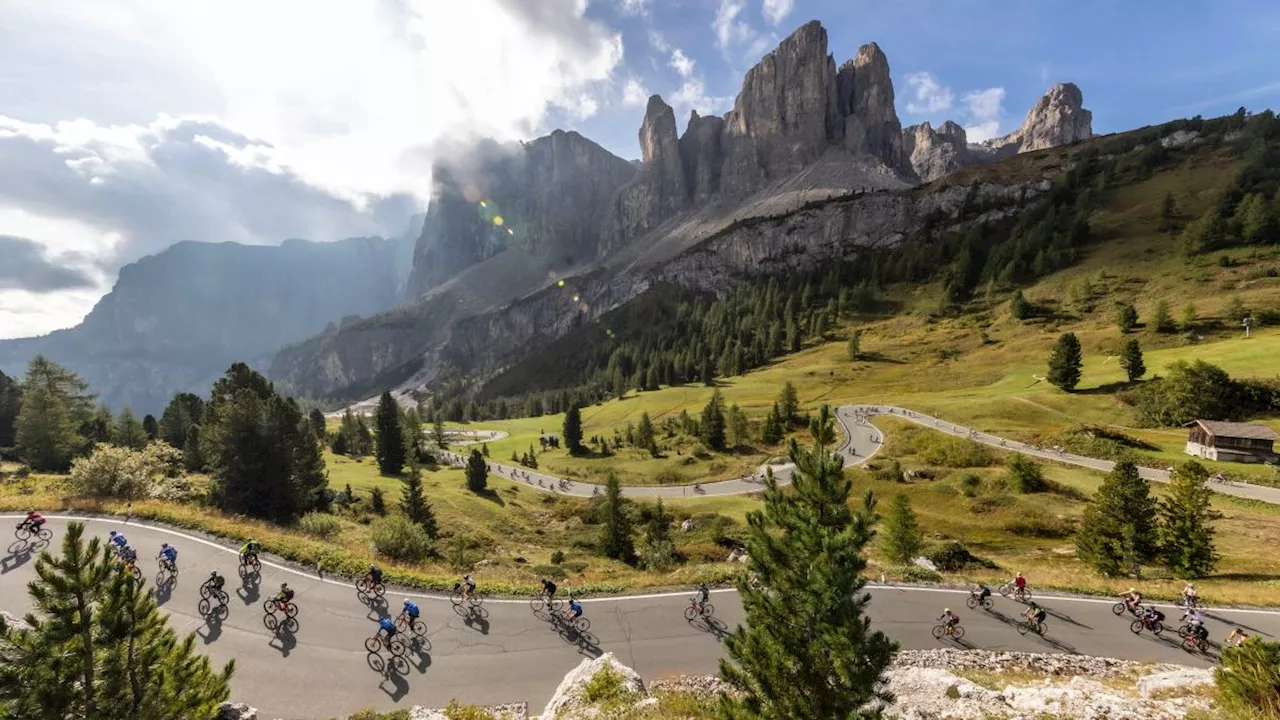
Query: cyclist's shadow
pixel 399 685
pixel 249 591
pixel 164 591
pixel 214 624
pixel 476 618
pixel 377 608
pixel 19 553
pixel 715 628
pixel 419 648
pixel 288 641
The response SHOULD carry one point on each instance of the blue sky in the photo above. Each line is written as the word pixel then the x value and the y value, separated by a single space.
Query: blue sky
pixel 1137 63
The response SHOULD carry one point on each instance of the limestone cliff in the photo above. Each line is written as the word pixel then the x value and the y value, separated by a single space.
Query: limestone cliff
pixel 701 155
pixel 1057 118
pixel 659 189
pixel 864 99
pixel 935 153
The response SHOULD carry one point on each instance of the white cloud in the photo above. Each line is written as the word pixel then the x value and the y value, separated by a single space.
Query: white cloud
pixel 692 95
pixel 927 95
pixel 776 10
pixel 728 28
pixel 658 42
pixel 634 94
pixel 984 108
pixel 682 63
pixel 634 7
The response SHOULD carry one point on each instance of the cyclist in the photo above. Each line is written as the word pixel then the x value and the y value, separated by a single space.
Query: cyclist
pixel 250 550
pixel 1237 637
pixel 388 626
pixel 214 583
pixel 1194 618
pixel 410 609
pixel 468 586
pixel 1189 595
pixel 1152 615
pixel 374 575
pixel 169 556
pixel 548 589
pixel 1133 600
pixel 1035 613
pixel 981 591
pixel 118 541
pixel 703 596
pixel 951 618
pixel 575 609
pixel 33 521
pixel 1019 584
pixel 285 596
pixel 130 555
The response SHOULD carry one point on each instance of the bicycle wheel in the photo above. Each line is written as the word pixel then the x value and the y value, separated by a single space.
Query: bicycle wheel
pixel 373 644
pixel 402 623
pixel 690 613
pixel 1157 627
pixel 396 646
pixel 1004 589
pixel 1118 608
pixel 269 607
pixel 291 610
pixel 45 534
pixel 205 607
pixel 582 625
pixel 223 598
pixel 379 589
pixel 971 603
pixel 1023 628
pixel 135 572
pixel 537 603
pixel 290 625
pixel 362 586
pixel 1184 629
pixel 419 628
pixel 476 598
pixel 22 534
pixel 938 630
pixel 455 597
pixel 205 592
pixel 986 603
pixel 708 610
pixel 1135 627
pixel 957 632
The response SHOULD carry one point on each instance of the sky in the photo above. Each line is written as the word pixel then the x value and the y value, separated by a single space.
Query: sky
pixel 130 125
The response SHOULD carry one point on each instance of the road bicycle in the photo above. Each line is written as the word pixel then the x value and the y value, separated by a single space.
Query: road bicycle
pixel 404 624
pixel 541 601
pixel 168 570
pixel 25 532
pixel 366 586
pixel 394 645
pixel 954 632
pixel 1120 607
pixel 1194 641
pixel 1010 590
pixel 132 569
pixel 1031 625
pixel 973 602
pixel 272 605
pixel 250 562
pixel 207 608
pixel 474 598
pixel 1137 626
pixel 696 610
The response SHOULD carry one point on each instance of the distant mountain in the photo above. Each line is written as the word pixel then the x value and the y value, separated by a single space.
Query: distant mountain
pixel 176 320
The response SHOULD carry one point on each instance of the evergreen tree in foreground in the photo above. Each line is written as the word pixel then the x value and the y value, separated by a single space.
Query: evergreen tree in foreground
pixel 316 416
pixel 389 439
pixel 97 647
pixel 573 431
pixel 1131 360
pixel 1186 533
pixel 1118 530
pixel 807 650
pixel 901 538
pixel 615 533
pixel 1065 363
pixel 477 472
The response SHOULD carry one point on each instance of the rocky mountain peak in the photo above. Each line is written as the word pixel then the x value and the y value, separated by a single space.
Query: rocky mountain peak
pixel 702 156
pixel 931 153
pixel 783 117
pixel 864 98
pixel 659 189
pixel 1057 118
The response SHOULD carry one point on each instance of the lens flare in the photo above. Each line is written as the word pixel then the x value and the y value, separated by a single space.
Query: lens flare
pixel 560 283
pixel 497 220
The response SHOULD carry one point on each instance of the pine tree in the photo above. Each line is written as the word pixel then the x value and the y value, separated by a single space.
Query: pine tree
pixel 414 504
pixel 1131 360
pixel 615 531
pixel 128 431
pixel 390 436
pixel 736 426
pixel 317 423
pixel 183 411
pixel 10 404
pixel 478 472
pixel 101 427
pixel 192 458
pixel 707 373
pixel 900 535
pixel 1025 475
pixel 1019 308
pixel 644 434
pixel 1187 514
pixel 437 429
pixel 1118 531
pixel 1065 362
pixel 1161 320
pixel 484 449
pixel 1187 320
pixel 773 431
pixel 712 424
pixel 150 427
pixel 1234 310
pixel 45 435
pixel 789 406
pixel 658 550
pixel 572 431
pixel 378 501
pixel 1126 317
pixel 98 647
pixel 853 348
pixel 806 650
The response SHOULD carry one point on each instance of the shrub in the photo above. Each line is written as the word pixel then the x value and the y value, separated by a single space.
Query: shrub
pixel 180 489
pixel 915 573
pixel 669 477
pixel 1040 527
pixel 400 539
pixel 969 484
pixel 1249 679
pixel 989 503
pixel 321 525
pixel 951 556
pixel 457 711
pixel 605 686
pixel 890 473
pixel 120 472
pixel 574 566
pixel 1025 475
pixel 704 552
pixel 557 557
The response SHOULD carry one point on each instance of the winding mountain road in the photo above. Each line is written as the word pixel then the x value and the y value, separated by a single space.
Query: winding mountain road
pixel 507 653
pixel 861 441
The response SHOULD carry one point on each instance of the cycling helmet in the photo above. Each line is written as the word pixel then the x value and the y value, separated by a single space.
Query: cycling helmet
pixel 213 574
pixel 164 545
pixel 1191 585
pixel 113 533
pixel 1133 590
pixel 946 610
pixel 372 568
pixel 406 602
pixel 284 586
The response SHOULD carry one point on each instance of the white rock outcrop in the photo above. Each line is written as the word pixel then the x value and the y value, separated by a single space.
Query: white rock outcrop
pixel 567 701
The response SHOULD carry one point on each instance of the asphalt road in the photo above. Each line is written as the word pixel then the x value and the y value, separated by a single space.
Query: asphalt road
pixel 506 653
pixel 861 441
